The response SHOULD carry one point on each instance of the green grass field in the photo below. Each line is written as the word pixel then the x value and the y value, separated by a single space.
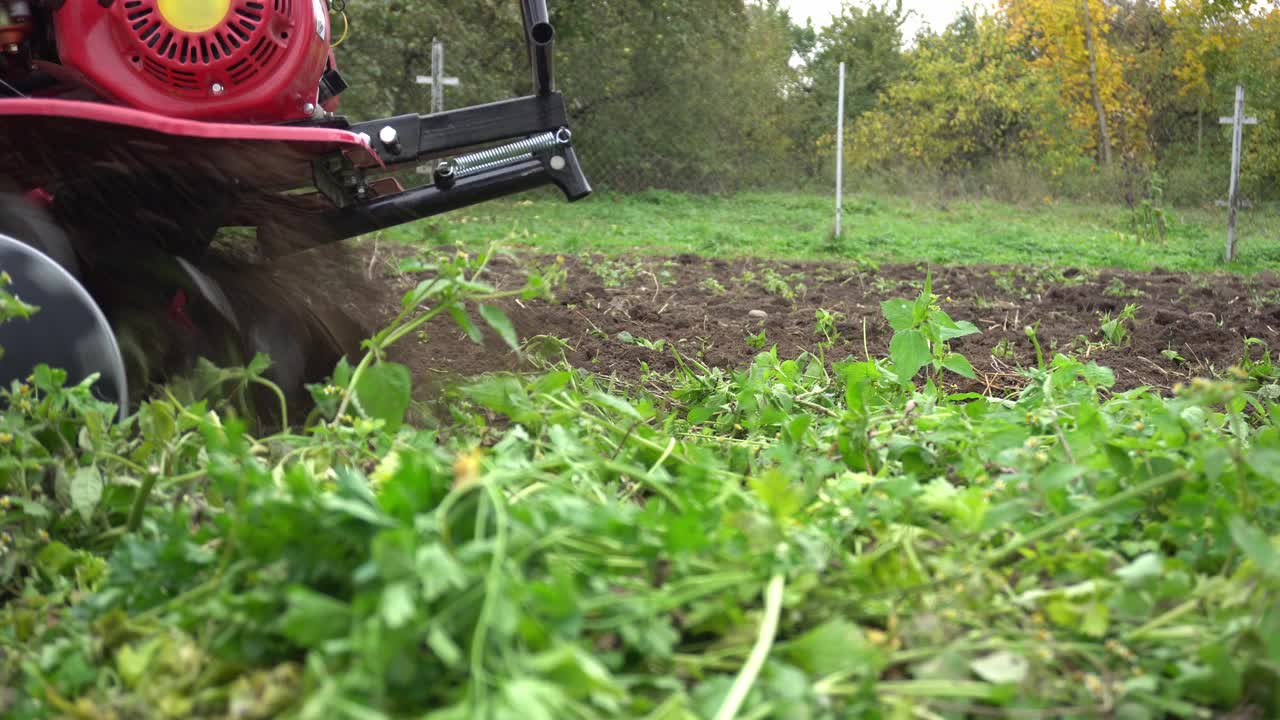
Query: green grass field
pixel 877 228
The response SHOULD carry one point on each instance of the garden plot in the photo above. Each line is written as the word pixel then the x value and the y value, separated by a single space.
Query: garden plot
pixel 623 316
pixel 701 528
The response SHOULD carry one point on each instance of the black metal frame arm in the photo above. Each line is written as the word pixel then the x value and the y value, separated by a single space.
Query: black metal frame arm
pixel 419 137
pixel 538 152
pixel 285 234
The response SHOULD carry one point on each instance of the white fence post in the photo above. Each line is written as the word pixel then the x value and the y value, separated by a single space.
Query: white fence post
pixel 438 83
pixel 437 79
pixel 840 157
pixel 1237 123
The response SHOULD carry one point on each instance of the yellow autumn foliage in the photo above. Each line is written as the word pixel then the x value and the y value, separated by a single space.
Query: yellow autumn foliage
pixel 968 99
pixel 1051 34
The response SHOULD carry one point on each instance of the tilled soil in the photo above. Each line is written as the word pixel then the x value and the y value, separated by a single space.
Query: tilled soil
pixel 1186 324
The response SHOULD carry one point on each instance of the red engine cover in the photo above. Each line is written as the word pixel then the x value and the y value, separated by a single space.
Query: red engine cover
pixel 261 63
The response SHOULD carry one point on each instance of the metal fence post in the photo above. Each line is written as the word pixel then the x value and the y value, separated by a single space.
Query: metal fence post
pixel 840 157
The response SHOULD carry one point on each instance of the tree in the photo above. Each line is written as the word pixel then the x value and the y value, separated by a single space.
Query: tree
pixel 1091 47
pixel 685 94
pixel 389 45
pixel 868 39
pixel 965 100
pixel 1066 42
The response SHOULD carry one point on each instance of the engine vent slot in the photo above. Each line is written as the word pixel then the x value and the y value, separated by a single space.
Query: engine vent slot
pixel 246 42
pixel 171 76
pixel 253 62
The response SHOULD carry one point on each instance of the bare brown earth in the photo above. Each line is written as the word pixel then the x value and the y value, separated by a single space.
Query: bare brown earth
pixel 1186 325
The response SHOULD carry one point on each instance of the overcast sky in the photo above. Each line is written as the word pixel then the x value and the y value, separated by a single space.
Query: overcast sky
pixel 936 13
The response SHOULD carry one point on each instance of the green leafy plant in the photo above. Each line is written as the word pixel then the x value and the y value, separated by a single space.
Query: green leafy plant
pixel 1149 219
pixel 758 341
pixel 1118 288
pixel 825 326
pixel 1033 335
pixel 379 388
pixel 883 285
pixel 1116 329
pixel 1004 350
pixel 629 339
pixel 788 288
pixel 12 307
pixel 614 273
pixel 787 537
pixel 922 336
pixel 712 286
pixel 1258 364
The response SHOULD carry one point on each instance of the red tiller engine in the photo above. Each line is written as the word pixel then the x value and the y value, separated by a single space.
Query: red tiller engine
pixel 161 160
pixel 252 61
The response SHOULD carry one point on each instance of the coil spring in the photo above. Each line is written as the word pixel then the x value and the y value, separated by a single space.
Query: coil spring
pixel 465 165
pixel 493 165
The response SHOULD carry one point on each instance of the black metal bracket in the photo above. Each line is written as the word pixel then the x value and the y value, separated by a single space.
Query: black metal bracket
pixel 566 174
pixel 291 230
pixel 419 137
pixel 339 180
pixel 409 139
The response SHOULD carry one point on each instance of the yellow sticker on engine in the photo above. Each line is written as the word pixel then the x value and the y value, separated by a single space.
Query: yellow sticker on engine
pixel 194 16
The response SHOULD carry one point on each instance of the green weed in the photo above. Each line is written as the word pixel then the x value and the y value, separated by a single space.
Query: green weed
pixel 825 326
pixel 790 537
pixel 1004 350
pixel 613 273
pixel 712 285
pixel 788 288
pixel 12 307
pixel 1033 334
pixel 1119 289
pixel 1116 329
pixel 627 338
pixel 1150 220
pixel 922 335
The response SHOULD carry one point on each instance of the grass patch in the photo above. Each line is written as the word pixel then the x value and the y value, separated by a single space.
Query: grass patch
pixel 881 228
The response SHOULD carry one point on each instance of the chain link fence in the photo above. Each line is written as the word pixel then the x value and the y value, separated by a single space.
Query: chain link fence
pixel 641 146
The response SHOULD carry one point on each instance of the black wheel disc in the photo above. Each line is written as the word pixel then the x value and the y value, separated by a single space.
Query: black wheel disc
pixel 69 331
